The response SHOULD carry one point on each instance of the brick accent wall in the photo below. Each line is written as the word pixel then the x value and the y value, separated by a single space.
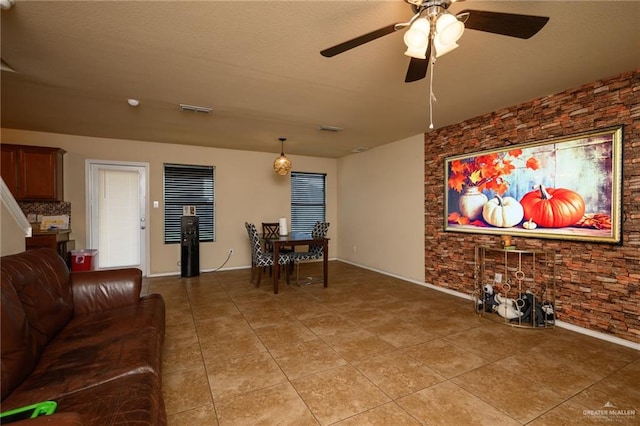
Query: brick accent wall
pixel 598 285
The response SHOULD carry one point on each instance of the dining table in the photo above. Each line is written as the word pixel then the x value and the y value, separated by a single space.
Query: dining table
pixel 297 239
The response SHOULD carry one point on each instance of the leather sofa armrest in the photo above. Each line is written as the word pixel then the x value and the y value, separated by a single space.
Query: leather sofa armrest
pixel 102 290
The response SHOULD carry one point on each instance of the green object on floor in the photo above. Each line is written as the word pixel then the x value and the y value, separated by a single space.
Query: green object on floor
pixel 44 408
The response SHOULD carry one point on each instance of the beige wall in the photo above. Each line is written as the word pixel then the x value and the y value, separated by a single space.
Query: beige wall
pixel 381 208
pixel 246 188
pixel 11 234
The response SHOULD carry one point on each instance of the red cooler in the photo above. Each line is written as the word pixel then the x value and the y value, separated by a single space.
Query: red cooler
pixel 83 260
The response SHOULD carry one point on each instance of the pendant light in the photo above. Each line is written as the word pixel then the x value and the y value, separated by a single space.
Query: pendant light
pixel 282 165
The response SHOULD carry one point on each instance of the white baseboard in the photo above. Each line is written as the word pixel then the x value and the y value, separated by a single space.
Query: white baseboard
pixel 561 324
pixel 598 335
pixel 177 273
pixel 230 268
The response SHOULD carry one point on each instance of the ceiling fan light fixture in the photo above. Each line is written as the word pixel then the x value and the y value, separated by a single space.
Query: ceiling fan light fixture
pixel 417 52
pixel 448 29
pixel 441 49
pixel 282 165
pixel 417 38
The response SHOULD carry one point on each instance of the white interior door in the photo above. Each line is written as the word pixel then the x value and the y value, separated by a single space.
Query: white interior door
pixel 116 210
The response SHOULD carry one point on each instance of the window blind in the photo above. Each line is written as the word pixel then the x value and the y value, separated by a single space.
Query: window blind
pixel 186 185
pixel 308 200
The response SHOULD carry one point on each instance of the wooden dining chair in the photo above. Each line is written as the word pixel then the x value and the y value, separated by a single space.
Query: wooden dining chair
pixel 272 230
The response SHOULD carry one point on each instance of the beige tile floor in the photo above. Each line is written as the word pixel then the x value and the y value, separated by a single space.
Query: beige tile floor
pixel 374 350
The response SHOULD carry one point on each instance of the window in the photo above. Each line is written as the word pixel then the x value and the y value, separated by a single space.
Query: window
pixel 186 185
pixel 308 200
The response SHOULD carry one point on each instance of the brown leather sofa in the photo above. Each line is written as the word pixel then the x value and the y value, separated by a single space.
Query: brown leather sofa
pixel 86 340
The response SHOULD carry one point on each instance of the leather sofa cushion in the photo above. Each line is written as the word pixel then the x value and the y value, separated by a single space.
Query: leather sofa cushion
pixel 41 280
pixel 93 350
pixel 102 290
pixel 98 357
pixel 96 327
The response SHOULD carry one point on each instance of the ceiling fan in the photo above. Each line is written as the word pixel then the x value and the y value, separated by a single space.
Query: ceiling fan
pixel 434 31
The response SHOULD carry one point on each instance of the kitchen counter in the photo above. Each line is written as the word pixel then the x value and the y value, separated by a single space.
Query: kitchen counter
pixel 60 233
pixel 56 239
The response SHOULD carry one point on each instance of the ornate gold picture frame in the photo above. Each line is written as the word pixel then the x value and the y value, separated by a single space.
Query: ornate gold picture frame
pixel 563 188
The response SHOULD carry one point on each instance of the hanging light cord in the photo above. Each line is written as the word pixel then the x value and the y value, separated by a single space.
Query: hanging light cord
pixel 432 97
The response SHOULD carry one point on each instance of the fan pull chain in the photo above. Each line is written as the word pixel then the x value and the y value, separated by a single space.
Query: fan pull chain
pixel 432 97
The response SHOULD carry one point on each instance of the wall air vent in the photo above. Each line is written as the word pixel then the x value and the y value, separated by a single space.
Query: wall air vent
pixel 193 108
pixel 327 128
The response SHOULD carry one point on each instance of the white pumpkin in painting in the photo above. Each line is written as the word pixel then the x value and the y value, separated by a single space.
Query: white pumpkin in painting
pixel 503 212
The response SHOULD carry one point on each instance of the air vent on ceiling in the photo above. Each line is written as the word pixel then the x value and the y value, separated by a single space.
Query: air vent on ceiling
pixel 360 149
pixel 328 128
pixel 194 108
pixel 5 66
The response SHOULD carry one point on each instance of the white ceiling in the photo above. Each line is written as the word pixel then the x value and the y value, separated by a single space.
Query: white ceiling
pixel 257 64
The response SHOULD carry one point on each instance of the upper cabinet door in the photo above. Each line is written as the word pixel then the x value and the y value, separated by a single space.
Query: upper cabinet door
pixel 38 172
pixel 9 168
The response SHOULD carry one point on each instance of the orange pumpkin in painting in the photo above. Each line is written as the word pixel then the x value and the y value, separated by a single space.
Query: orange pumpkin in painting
pixel 553 208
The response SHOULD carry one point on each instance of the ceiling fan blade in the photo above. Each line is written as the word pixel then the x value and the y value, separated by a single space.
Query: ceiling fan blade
pixel 508 24
pixel 418 67
pixel 358 41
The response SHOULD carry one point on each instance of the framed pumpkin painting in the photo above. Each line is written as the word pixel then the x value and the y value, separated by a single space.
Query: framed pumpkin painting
pixel 565 188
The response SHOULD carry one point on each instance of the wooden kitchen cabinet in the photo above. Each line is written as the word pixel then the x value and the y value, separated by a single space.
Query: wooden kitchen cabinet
pixel 9 168
pixel 33 173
